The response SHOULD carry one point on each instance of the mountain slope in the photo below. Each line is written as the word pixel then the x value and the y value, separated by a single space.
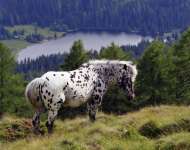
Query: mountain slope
pixel 164 127
pixel 145 16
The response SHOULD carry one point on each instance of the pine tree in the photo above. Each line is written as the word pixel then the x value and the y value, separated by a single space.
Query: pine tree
pixel 11 85
pixel 115 99
pixel 182 70
pixel 76 57
pixel 153 81
pixel 6 68
pixel 114 52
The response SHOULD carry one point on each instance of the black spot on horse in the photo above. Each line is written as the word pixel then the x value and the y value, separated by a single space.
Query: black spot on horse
pixel 54 75
pixel 100 91
pixel 38 98
pixel 72 80
pixel 86 77
pixel 99 85
pixel 125 67
pixel 59 102
pixel 75 92
pixel 44 97
pixel 64 87
pixel 47 78
pixel 78 81
pixel 50 100
pixel 96 97
pixel 72 76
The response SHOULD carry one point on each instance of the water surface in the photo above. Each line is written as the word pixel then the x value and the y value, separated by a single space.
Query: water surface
pixel 91 40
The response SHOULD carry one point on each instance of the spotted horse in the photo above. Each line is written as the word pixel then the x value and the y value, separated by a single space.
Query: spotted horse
pixel 86 84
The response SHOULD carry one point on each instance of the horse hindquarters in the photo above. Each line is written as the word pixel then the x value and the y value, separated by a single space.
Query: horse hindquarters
pixel 32 94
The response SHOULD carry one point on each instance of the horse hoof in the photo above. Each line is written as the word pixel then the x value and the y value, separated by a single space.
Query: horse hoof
pixel 92 119
pixel 50 132
pixel 38 132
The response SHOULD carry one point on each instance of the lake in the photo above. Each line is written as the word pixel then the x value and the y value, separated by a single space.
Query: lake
pixel 91 40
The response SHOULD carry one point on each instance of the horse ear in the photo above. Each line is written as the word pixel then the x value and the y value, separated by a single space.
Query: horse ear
pixel 125 67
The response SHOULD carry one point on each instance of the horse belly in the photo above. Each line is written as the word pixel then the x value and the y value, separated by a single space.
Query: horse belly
pixel 75 100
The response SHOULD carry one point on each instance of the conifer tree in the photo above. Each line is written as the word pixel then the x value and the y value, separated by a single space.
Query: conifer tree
pixel 76 57
pixel 182 64
pixel 6 69
pixel 153 82
pixel 114 52
pixel 115 99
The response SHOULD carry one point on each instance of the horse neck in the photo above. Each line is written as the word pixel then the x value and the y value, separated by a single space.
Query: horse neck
pixel 108 72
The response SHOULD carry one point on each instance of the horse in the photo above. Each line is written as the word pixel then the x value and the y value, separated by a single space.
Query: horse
pixel 87 84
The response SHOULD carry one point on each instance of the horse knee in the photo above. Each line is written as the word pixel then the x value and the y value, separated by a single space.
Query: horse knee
pixel 49 127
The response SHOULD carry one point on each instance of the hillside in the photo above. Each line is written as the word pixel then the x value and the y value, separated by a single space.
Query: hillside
pixel 164 127
pixel 144 16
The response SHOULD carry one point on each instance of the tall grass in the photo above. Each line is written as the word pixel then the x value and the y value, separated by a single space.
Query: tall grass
pixel 167 125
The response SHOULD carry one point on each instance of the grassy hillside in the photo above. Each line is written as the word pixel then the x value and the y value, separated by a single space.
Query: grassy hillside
pixel 31 29
pixel 19 43
pixel 162 128
pixel 15 45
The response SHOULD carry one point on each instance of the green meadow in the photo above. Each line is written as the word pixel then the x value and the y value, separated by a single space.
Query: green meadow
pixel 151 128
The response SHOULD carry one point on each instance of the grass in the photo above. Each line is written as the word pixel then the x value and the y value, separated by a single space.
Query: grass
pixel 29 29
pixel 168 126
pixel 15 45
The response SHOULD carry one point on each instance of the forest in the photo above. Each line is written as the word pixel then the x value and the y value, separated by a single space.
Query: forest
pixel 163 73
pixel 148 17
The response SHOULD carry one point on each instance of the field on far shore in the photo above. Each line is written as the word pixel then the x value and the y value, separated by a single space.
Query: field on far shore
pixel 19 43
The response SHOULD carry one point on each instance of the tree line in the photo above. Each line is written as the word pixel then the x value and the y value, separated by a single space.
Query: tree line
pixel 31 68
pixel 143 16
pixel 163 76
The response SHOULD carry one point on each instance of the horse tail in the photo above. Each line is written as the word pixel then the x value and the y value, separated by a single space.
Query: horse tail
pixel 32 93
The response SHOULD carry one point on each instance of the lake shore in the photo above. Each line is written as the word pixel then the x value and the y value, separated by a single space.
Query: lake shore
pixel 91 41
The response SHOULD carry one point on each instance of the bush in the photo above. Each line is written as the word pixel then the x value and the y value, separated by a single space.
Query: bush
pixel 150 130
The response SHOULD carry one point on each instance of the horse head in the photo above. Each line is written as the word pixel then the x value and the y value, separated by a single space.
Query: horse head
pixel 126 80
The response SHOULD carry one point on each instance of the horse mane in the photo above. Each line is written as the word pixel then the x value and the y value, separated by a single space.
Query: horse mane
pixel 105 61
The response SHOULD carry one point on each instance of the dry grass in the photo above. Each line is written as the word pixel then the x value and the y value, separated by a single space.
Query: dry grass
pixel 170 124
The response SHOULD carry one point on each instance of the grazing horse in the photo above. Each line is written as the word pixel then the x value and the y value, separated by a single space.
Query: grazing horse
pixel 73 88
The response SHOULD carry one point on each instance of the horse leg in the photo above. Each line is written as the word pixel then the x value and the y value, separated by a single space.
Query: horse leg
pixel 51 118
pixel 92 108
pixel 96 101
pixel 36 123
pixel 53 109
